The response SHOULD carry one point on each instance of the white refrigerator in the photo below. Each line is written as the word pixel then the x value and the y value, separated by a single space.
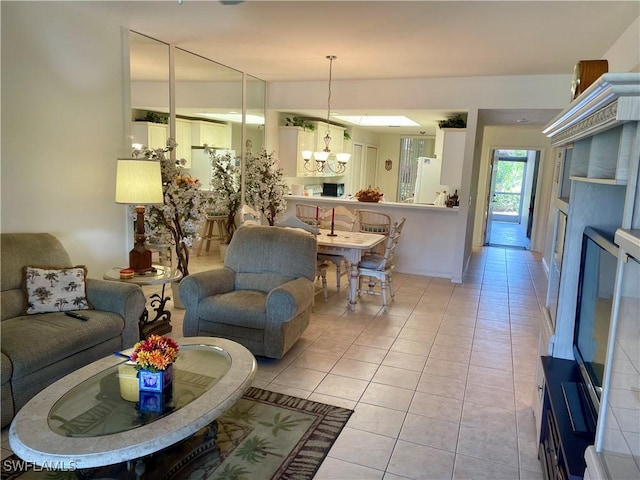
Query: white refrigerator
pixel 428 180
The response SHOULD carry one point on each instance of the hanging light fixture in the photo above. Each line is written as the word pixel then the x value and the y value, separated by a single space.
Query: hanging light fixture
pixel 322 157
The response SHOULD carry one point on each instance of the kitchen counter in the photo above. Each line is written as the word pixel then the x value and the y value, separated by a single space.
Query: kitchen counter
pixel 355 204
pixel 428 238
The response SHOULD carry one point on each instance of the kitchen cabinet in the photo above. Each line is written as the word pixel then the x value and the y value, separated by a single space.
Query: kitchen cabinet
pixel 216 135
pixel 292 141
pixel 151 135
pixel 183 139
pixel 449 148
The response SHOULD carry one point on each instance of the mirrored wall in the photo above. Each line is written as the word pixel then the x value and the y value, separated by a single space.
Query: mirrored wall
pixel 213 104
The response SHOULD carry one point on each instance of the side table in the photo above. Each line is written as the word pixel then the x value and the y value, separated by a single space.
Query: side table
pixel 161 323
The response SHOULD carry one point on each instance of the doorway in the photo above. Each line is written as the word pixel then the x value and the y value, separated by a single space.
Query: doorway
pixel 511 198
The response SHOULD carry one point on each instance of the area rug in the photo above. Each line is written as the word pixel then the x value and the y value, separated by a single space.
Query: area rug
pixel 265 435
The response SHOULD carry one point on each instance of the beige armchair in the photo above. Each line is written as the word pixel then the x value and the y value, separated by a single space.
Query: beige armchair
pixel 263 296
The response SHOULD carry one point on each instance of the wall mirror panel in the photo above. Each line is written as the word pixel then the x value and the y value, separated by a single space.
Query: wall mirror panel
pixel 208 99
pixel 255 113
pixel 149 70
pixel 208 103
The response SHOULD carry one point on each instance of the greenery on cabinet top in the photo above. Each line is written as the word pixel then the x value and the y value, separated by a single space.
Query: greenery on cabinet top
pixel 308 124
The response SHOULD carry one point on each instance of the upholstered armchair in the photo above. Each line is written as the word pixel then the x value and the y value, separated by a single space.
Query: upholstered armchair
pixel 262 298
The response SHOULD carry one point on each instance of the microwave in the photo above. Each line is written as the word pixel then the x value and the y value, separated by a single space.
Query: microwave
pixel 333 189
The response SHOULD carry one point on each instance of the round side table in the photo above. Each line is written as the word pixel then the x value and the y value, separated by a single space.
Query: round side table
pixel 161 322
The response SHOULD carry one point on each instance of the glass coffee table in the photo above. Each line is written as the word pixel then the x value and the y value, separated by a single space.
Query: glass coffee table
pixel 90 418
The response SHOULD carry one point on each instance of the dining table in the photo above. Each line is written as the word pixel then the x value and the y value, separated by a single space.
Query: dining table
pixel 352 246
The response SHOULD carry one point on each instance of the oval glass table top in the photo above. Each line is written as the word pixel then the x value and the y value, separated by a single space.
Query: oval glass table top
pixel 109 401
pixel 89 418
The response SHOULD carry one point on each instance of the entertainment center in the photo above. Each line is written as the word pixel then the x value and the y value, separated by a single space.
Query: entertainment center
pixel 587 406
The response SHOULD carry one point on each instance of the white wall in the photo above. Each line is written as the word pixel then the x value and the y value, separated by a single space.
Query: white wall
pixel 624 55
pixel 511 137
pixel 63 129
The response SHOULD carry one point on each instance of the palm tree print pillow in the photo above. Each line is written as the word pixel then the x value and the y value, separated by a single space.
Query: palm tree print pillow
pixel 50 289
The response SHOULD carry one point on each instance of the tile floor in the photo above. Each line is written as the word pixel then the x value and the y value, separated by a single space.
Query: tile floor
pixel 509 234
pixel 440 384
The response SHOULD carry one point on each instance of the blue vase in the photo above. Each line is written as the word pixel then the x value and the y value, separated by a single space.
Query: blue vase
pixel 156 389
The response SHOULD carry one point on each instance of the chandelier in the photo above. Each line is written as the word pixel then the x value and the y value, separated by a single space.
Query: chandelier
pixel 322 157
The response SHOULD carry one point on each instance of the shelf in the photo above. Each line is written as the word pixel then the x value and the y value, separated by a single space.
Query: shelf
pixel 629 241
pixel 601 181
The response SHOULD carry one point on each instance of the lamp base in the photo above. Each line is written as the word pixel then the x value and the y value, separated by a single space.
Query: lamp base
pixel 140 259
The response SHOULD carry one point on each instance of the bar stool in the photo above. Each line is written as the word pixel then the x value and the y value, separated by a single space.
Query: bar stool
pixel 207 231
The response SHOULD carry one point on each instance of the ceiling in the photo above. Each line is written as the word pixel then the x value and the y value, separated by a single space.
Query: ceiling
pixel 288 41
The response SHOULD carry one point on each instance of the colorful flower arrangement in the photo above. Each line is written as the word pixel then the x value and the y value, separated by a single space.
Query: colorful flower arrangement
pixel 183 209
pixel 369 194
pixel 265 187
pixel 155 353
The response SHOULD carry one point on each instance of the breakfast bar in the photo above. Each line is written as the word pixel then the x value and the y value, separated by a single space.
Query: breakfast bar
pixel 428 239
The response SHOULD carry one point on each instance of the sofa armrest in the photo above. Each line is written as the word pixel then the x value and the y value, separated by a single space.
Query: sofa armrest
pixel 289 299
pixel 125 299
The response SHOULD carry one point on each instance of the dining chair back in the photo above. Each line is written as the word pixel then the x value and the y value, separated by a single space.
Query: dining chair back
pixel 343 219
pixel 372 221
pixel 380 267
pixel 309 214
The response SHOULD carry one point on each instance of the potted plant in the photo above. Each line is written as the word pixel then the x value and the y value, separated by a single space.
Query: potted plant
pixel 457 121
pixel 265 187
pixel 225 190
pixel 178 217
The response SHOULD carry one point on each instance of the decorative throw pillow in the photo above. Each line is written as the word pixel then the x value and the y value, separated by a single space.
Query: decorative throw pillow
pixel 51 289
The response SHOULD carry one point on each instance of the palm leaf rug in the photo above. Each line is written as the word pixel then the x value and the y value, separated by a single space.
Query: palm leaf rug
pixel 265 435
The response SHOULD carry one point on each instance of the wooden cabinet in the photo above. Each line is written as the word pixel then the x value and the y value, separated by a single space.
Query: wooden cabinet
pixel 216 135
pixel 152 135
pixel 561 450
pixel 450 148
pixel 596 184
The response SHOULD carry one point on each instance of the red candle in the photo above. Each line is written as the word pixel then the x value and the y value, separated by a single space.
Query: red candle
pixel 333 216
pixel 316 214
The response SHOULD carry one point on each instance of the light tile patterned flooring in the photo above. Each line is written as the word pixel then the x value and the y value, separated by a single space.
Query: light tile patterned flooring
pixel 441 383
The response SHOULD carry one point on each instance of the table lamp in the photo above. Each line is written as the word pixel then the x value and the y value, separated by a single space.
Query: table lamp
pixel 139 182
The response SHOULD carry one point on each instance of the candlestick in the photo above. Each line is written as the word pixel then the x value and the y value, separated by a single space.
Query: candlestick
pixel 316 215
pixel 333 217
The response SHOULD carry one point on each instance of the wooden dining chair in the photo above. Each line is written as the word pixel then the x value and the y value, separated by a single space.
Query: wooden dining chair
pixel 380 267
pixel 309 214
pixel 343 220
pixel 372 221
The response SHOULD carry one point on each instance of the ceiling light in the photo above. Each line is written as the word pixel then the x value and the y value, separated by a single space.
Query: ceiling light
pixel 234 117
pixel 322 157
pixel 378 120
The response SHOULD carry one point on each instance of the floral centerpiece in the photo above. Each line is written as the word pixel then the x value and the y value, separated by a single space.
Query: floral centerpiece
pixel 225 189
pixel 155 353
pixel 369 194
pixel 179 217
pixel 265 187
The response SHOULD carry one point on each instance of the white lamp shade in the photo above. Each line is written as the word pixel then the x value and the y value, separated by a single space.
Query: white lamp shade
pixel 321 156
pixel 343 157
pixel 138 182
pixel 307 154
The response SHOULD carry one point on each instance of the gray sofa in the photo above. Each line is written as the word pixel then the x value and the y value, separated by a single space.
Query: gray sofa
pixel 39 349
pixel 263 296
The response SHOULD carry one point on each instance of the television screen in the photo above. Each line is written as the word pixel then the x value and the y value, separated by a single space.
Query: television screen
pixel 593 315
